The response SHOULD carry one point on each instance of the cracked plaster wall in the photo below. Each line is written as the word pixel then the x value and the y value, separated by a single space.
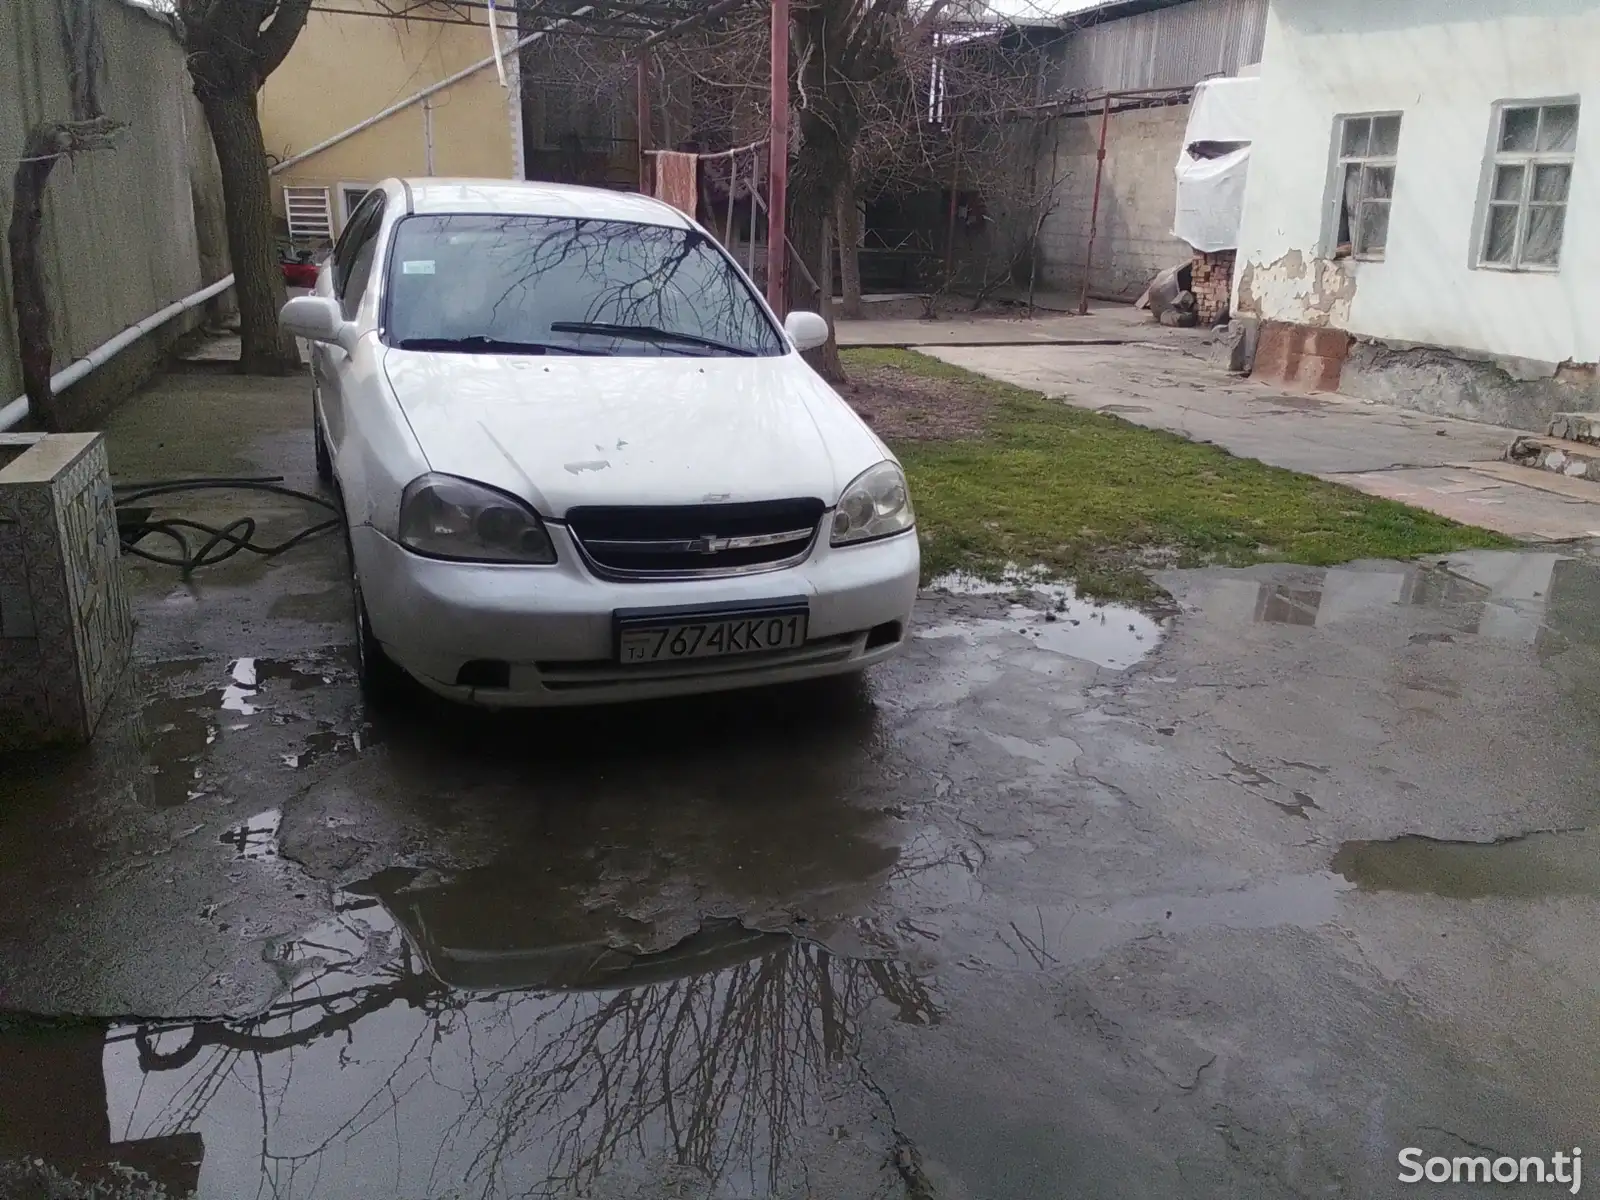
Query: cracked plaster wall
pixel 1443 64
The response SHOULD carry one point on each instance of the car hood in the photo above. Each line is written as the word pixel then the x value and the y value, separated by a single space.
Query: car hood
pixel 562 430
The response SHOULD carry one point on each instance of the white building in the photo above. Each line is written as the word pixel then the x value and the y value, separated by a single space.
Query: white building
pixel 1426 174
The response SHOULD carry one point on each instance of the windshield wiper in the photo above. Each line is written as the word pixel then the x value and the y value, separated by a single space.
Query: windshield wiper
pixel 648 333
pixel 478 344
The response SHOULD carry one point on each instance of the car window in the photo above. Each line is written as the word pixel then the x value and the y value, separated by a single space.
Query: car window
pixel 360 269
pixel 350 238
pixel 506 283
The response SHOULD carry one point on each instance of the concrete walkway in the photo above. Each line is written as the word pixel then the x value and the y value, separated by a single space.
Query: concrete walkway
pixel 1104 325
pixel 1446 466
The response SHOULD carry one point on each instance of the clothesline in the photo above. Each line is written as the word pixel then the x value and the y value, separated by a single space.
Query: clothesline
pixel 716 153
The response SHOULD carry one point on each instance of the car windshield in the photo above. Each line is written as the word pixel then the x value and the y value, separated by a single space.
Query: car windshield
pixel 494 283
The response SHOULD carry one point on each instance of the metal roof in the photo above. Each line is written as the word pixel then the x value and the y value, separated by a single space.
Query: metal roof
pixel 1131 44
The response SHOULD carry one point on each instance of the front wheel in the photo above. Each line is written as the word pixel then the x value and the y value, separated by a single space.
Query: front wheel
pixel 382 681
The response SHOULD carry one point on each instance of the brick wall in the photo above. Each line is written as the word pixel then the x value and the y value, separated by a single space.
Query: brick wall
pixel 1213 284
pixel 1138 194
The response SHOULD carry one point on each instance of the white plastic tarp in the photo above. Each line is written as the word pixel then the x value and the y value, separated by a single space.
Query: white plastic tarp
pixel 1211 189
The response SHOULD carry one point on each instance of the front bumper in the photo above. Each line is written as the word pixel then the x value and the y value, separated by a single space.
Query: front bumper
pixel 553 624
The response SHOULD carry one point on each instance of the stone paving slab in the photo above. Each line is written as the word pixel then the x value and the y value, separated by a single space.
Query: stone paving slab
pixel 1103 325
pixel 1476 497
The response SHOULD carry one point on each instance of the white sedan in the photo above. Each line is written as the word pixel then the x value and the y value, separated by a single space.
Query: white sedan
pixel 581 461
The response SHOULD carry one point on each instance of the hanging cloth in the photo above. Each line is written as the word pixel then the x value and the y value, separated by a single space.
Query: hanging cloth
pixel 677 180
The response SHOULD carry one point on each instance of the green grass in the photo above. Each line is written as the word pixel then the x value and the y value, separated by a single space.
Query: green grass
pixel 1091 496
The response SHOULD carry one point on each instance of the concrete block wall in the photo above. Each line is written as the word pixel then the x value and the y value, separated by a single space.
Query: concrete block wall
pixel 1138 194
pixel 126 231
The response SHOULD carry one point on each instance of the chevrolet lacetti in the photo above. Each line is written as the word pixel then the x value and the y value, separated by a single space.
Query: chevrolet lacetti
pixel 580 460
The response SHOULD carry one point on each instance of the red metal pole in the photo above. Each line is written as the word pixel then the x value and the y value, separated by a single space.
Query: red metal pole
pixel 778 165
pixel 643 117
pixel 1094 209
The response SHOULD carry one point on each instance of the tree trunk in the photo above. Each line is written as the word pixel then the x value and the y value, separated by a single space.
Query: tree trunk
pixel 847 224
pixel 808 232
pixel 258 283
pixel 44 146
pixel 28 296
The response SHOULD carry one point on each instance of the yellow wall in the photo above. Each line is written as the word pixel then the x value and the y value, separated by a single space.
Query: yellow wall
pixel 344 69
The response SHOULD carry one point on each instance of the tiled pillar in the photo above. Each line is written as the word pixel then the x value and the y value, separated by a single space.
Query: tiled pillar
pixel 65 626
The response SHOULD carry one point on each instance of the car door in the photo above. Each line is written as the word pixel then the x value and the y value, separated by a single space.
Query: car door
pixel 349 277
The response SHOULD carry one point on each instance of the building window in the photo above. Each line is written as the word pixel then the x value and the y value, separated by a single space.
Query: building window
pixel 1529 176
pixel 350 197
pixel 1368 145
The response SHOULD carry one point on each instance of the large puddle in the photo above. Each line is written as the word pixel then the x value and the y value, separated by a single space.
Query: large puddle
pixel 1539 864
pixel 1544 600
pixel 1057 619
pixel 469 1037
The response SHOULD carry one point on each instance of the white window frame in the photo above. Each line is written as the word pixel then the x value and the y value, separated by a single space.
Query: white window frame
pixel 1529 161
pixel 1336 175
pixel 346 209
pixel 295 197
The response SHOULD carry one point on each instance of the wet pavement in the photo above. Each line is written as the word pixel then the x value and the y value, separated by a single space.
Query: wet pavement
pixel 1233 900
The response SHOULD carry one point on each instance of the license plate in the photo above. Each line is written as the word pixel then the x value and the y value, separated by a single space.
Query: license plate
pixel 709 633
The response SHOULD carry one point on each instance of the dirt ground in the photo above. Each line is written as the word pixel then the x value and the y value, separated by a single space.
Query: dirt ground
pixel 902 407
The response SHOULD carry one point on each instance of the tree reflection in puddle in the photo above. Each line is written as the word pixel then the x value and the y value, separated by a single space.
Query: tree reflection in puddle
pixel 372 1078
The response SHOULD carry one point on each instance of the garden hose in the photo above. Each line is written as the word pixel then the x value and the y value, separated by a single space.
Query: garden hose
pixel 217 543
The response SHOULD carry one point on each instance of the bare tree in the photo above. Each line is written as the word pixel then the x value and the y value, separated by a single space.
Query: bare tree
pixel 46 145
pixel 233 46
pixel 716 1072
pixel 890 98
pixel 1022 184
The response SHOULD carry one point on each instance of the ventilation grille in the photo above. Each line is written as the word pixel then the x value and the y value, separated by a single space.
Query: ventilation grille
pixel 310 215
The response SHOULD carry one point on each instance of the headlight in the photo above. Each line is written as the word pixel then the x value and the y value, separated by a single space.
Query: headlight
pixel 447 517
pixel 875 505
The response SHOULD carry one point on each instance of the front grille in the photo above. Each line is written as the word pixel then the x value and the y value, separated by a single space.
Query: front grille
pixel 695 539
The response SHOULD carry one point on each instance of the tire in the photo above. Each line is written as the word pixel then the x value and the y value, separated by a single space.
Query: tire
pixel 324 459
pixel 383 683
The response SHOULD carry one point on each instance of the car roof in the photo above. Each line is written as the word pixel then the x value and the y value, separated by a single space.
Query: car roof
pixel 435 195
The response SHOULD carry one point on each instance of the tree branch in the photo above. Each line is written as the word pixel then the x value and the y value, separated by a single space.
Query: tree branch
pixel 276 39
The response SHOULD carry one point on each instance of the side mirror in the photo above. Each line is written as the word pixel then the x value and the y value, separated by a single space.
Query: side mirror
pixel 317 319
pixel 807 330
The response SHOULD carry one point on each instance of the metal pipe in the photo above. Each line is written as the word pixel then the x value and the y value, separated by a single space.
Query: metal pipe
pixel 15 412
pixel 495 48
pixel 642 118
pixel 1094 208
pixel 778 163
pixel 955 180
pixel 427 135
pixel 755 202
pixel 721 8
pixel 431 90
